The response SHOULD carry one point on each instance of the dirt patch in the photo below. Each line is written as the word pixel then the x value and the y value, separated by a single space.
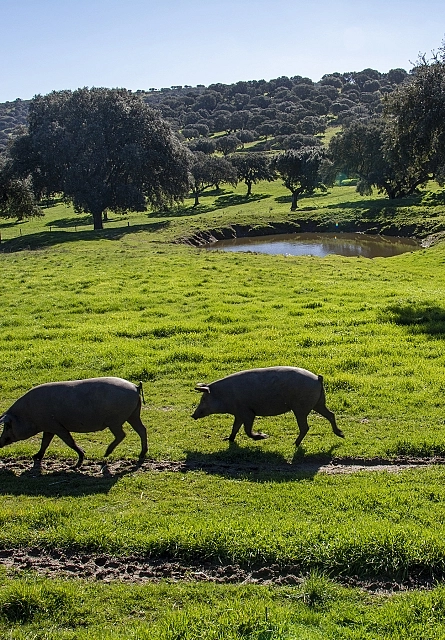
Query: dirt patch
pixel 139 570
pixel 96 468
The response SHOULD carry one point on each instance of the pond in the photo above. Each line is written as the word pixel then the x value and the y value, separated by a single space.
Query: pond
pixel 321 245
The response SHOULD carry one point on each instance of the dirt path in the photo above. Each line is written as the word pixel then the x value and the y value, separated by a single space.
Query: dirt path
pixel 105 568
pixel 18 466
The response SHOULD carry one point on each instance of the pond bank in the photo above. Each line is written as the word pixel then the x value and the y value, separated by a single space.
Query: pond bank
pixel 208 236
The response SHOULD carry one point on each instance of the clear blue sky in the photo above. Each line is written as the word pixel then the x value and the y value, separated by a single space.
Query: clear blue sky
pixel 49 45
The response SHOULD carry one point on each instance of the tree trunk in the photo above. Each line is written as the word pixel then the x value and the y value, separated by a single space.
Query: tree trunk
pixel 97 220
pixel 249 188
pixel 294 204
pixel 196 194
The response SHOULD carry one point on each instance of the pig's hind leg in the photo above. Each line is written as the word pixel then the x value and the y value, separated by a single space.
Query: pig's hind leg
pixel 322 409
pixel 138 426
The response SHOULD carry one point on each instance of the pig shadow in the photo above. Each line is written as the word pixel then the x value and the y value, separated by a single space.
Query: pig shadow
pixel 35 481
pixel 257 465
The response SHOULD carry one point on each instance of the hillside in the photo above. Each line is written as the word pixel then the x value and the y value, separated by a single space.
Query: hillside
pixel 256 110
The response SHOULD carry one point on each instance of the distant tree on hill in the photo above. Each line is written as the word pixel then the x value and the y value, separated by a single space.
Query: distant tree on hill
pixel 245 136
pixel 298 140
pixel 239 120
pixel 210 171
pixel 252 167
pixel 206 145
pixel 103 149
pixel 228 144
pixel 310 125
pixel 300 171
pixel 190 132
pixel 266 129
pixel 397 76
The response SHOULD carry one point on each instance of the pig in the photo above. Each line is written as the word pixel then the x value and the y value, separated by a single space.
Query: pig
pixel 270 391
pixel 81 406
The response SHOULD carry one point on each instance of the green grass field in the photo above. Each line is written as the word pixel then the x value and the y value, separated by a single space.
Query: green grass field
pixel 133 301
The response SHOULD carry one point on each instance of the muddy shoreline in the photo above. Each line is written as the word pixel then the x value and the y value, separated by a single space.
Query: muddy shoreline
pixel 301 225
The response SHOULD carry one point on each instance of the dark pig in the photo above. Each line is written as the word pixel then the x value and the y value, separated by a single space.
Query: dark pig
pixel 80 406
pixel 266 392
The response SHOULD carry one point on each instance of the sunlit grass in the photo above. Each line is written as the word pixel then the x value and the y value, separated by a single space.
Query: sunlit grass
pixel 314 610
pixel 133 303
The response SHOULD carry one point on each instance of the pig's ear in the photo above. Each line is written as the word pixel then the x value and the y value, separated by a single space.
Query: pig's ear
pixel 202 388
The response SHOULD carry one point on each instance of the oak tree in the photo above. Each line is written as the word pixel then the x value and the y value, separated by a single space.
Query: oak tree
pixel 252 167
pixel 300 171
pixel 103 149
pixel 210 171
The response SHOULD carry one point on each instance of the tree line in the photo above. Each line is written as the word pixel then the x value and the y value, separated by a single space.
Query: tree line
pixel 111 150
pixel 254 110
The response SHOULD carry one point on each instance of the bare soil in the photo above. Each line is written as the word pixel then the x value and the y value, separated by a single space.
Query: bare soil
pixel 18 466
pixel 134 569
pixel 106 568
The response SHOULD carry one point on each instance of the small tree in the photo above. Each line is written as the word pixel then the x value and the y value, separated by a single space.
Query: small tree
pixel 228 144
pixel 300 171
pixel 103 149
pixel 206 145
pixel 16 195
pixel 252 167
pixel 210 171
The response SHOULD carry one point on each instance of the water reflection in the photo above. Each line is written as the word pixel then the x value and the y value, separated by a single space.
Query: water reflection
pixel 321 244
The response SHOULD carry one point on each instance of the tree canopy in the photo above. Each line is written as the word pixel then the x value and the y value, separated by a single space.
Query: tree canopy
pixel 416 117
pixel 252 167
pixel 361 150
pixel 16 195
pixel 103 149
pixel 210 171
pixel 300 171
